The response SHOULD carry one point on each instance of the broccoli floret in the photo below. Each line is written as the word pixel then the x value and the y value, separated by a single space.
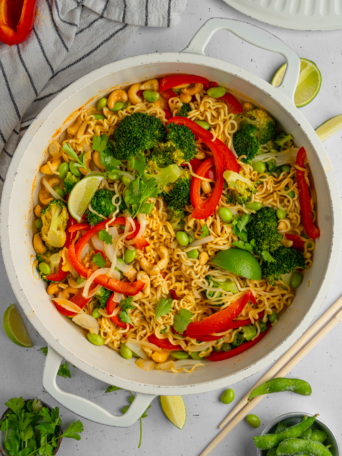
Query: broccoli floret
pixel 137 133
pixel 270 147
pixel 102 204
pixel 176 218
pixel 262 228
pixel 262 326
pixel 177 195
pixel 184 110
pixel 283 140
pixel 70 181
pixel 158 157
pixel 54 218
pixel 264 123
pixel 163 175
pixel 180 146
pixel 240 189
pixel 239 339
pixel 285 260
pixel 52 259
pixel 103 296
pixel 245 142
pixel 228 286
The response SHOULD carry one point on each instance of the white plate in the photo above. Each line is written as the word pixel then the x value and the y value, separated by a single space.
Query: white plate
pixel 293 14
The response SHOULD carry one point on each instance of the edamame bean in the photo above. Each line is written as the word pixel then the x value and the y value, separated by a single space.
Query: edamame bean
pixel 44 268
pixel 119 105
pixel 259 167
pixel 203 124
pixel 113 175
pixel 291 193
pixel 102 103
pixel 59 192
pixel 182 238
pixel 125 180
pixel 130 255
pixel 225 214
pixel 63 168
pixel 195 355
pixel 80 280
pixel 216 92
pixel 180 354
pixel 286 168
pixel 253 421
pixel 194 254
pixel 75 169
pixel 273 317
pixel 151 95
pixel 309 245
pixel 39 223
pixel 296 280
pixel 99 117
pixel 228 396
pixel 226 347
pixel 96 314
pixel 125 351
pixel 281 214
pixel 95 339
pixel 254 206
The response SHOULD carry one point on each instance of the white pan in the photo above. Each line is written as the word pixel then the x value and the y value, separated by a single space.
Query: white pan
pixel 68 341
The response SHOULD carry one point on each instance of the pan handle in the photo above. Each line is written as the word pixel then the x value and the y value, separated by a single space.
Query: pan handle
pixel 253 35
pixel 86 408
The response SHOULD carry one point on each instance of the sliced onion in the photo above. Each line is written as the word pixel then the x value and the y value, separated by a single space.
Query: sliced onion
pixel 89 281
pixel 124 267
pixel 105 314
pixel 143 343
pixel 51 190
pixel 115 275
pixel 137 349
pixel 68 305
pixel 72 283
pixel 145 364
pixel 85 251
pixel 199 242
pixel 142 222
pixel 118 297
pixel 87 322
pixel 97 243
pixel 201 347
pixel 165 366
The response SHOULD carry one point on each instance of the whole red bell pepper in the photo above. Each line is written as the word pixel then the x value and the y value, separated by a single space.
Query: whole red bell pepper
pixel 176 80
pixel 219 321
pixel 165 344
pixel 77 299
pixel 79 227
pixel 110 309
pixel 220 356
pixel 298 243
pixel 16 20
pixel 234 106
pixel 304 197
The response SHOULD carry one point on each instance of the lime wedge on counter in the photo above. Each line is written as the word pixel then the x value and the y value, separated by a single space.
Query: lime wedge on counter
pixel 174 409
pixel 329 128
pixel 15 329
pixel 308 85
pixel 239 262
pixel 82 194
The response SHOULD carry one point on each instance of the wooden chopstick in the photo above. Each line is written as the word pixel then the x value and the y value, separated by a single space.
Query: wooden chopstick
pixel 243 408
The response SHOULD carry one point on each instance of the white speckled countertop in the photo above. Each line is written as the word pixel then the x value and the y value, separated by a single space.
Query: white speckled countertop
pixel 21 369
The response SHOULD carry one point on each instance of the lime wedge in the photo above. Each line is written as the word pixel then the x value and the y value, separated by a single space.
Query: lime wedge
pixel 82 194
pixel 239 262
pixel 15 329
pixel 329 128
pixel 174 409
pixel 308 85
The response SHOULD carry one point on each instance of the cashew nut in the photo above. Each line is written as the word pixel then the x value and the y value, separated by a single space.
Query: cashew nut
pixel 132 94
pixel 87 159
pixel 131 274
pixel 52 289
pixel 247 106
pixel 151 269
pixel 282 226
pixel 152 84
pixel 81 130
pixel 206 187
pixel 73 130
pixel 286 242
pixel 200 155
pixel 55 149
pixel 164 257
pixel 68 291
pixel 203 258
pixel 44 197
pixel 185 98
pixel 160 357
pixel 193 89
pixel 38 245
pixel 117 95
pixel 51 167
pixel 97 161
pixel 38 211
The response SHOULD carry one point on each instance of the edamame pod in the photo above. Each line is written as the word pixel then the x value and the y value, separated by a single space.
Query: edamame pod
pixel 278 385
pixel 281 426
pixel 306 434
pixel 294 446
pixel 268 441
pixel 272 452
pixel 319 436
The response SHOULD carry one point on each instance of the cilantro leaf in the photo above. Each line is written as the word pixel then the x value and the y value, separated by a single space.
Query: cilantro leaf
pixel 126 304
pixel 64 371
pixel 243 222
pixel 106 237
pixel 164 306
pixel 99 260
pixel 80 160
pixel 138 192
pixel 112 388
pixel 243 245
pixel 140 164
pixel 125 318
pixel 146 208
pixel 205 231
pixel 36 404
pixel 100 143
pixel 16 404
pixel 182 319
pixel 73 431
pixel 44 350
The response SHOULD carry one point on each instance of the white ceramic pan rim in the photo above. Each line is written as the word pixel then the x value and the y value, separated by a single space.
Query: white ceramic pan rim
pixel 194 54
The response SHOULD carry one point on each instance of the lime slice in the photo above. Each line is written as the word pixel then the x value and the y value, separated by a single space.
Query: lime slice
pixel 82 194
pixel 329 128
pixel 174 409
pixel 308 85
pixel 15 329
pixel 239 262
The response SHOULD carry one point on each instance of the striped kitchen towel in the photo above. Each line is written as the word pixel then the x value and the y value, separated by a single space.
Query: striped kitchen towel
pixel 70 38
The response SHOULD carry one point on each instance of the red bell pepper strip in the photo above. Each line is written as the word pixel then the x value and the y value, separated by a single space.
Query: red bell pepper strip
pixel 16 20
pixel 220 356
pixel 168 114
pixel 173 295
pixel 77 299
pixel 195 185
pixel 79 227
pixel 165 344
pixel 304 197
pixel 110 308
pixel 219 321
pixel 298 243
pixel 234 106
pixel 196 163
pixel 167 94
pixel 179 79
pixel 141 243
